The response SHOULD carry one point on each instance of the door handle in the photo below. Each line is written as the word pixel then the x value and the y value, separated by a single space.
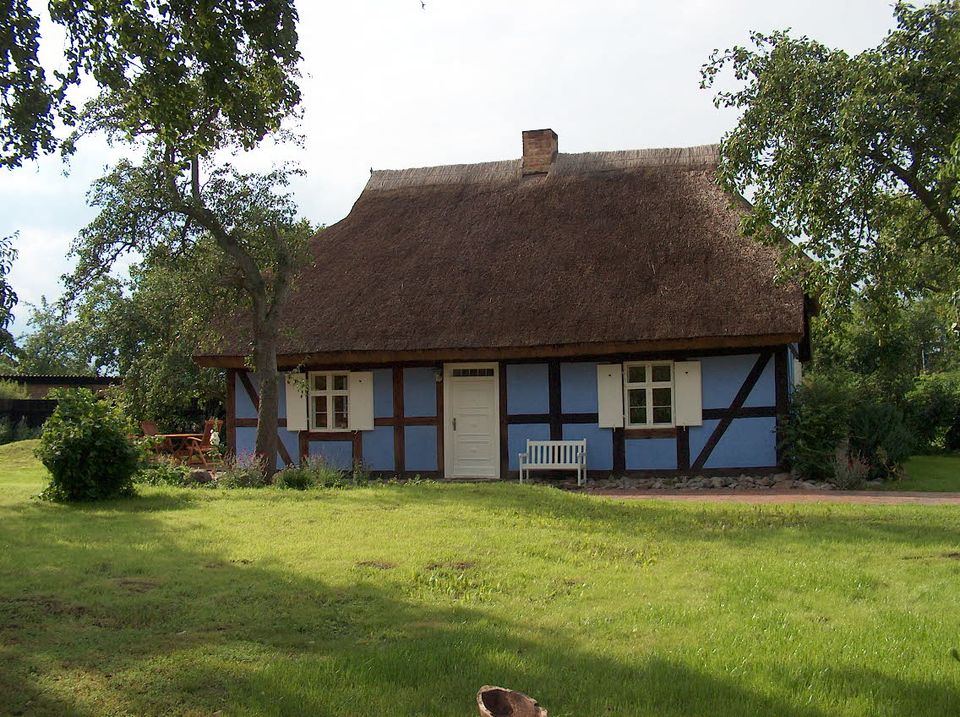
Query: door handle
pixel 454 423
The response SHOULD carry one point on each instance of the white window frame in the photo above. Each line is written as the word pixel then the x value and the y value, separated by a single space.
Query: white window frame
pixel 648 386
pixel 329 393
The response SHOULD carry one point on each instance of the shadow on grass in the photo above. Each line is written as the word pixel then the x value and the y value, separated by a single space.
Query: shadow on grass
pixel 732 523
pixel 181 631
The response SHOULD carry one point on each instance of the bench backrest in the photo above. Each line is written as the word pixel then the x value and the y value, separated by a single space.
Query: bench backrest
pixel 567 453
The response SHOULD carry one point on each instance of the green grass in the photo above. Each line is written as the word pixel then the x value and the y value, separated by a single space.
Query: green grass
pixel 931 473
pixel 403 600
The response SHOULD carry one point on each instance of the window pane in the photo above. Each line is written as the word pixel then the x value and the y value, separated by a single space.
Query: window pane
pixel 661 372
pixel 637 397
pixel 661 397
pixel 320 382
pixel 637 374
pixel 340 383
pixel 319 411
pixel 662 415
pixel 637 401
pixel 340 412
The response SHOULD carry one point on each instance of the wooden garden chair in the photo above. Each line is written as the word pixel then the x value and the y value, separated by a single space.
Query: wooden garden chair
pixel 200 448
pixel 149 428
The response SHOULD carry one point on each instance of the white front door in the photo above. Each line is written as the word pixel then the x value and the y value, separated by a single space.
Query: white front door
pixel 471 421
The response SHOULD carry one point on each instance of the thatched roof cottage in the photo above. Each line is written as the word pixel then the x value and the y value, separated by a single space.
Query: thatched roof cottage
pixel 459 311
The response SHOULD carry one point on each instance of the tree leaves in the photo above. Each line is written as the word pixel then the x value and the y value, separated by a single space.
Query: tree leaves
pixel 182 70
pixel 852 157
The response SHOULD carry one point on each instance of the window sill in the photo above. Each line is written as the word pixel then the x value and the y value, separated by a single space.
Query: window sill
pixel 653 432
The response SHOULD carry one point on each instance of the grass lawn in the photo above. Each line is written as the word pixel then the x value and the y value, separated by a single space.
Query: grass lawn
pixel 404 600
pixel 931 473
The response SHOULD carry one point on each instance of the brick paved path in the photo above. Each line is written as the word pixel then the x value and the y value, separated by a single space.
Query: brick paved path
pixel 787 496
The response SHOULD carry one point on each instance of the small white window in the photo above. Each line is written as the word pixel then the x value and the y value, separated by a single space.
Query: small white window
pixel 329 401
pixel 648 394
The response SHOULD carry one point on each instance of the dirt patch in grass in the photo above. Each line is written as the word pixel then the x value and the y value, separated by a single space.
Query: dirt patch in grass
pixel 53 606
pixel 459 565
pixel 136 585
pixel 377 564
pixel 952 556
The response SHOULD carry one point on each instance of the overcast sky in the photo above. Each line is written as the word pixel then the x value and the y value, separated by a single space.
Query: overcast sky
pixel 389 84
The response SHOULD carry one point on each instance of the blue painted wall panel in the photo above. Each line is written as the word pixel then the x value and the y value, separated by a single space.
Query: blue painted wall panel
pixel 599 443
pixel 245 407
pixel 517 436
pixel 378 449
pixel 651 454
pixel 337 454
pixel 578 387
pixel 722 377
pixel 748 442
pixel 246 442
pixel 419 392
pixel 528 389
pixel 383 393
pixel 420 448
pixel 291 441
pixel 765 392
pixel 699 435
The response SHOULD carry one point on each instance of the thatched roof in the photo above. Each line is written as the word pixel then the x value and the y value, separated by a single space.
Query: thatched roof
pixel 607 249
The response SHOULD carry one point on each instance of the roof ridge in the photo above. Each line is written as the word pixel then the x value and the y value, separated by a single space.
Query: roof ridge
pixel 566 164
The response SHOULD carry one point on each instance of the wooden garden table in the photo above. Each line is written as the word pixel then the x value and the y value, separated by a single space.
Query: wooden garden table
pixel 179 441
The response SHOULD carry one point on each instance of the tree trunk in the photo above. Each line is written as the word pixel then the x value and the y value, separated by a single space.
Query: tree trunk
pixel 265 363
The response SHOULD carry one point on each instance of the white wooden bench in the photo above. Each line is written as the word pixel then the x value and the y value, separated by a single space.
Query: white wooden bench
pixel 555 455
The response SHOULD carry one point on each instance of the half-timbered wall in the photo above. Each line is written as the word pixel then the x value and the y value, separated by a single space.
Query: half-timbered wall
pixel 742 395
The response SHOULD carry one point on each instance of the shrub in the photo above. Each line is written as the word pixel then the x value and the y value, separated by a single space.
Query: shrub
pixel 24 432
pixel 879 435
pixel 86 448
pixel 162 472
pixel 13 390
pixel 933 411
pixel 244 471
pixel 315 473
pixel 295 477
pixel 836 424
pixel 816 425
pixel 19 432
pixel 850 469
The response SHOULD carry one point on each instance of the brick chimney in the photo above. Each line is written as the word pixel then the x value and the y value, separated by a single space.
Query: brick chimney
pixel 539 151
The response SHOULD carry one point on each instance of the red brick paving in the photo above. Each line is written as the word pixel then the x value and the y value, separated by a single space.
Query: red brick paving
pixel 720 495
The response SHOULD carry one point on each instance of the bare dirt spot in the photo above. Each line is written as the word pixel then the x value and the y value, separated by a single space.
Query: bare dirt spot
pixel 377 564
pixel 137 585
pixel 46 605
pixel 952 556
pixel 460 565
pixel 242 561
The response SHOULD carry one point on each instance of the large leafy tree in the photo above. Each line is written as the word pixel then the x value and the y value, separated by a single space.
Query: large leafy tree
pixel 8 297
pixel 238 238
pixel 54 344
pixel 165 62
pixel 182 82
pixel 856 158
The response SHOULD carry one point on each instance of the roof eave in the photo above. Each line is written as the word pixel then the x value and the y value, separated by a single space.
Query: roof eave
pixel 609 349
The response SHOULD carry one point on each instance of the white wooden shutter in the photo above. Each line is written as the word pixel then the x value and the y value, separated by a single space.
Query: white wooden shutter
pixel 361 401
pixel 296 401
pixel 610 394
pixel 687 393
